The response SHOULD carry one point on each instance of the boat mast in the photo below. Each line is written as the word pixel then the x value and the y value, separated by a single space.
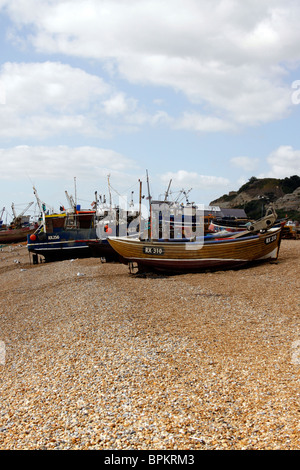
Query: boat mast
pixel 75 188
pixel 140 210
pixel 110 203
pixel 150 208
pixel 71 201
pixel 149 195
pixel 167 192
pixel 131 201
pixel 13 210
pixel 42 207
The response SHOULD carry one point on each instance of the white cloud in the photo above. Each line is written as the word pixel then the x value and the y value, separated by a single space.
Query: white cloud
pixel 33 86
pixel 88 163
pixel 119 104
pixel 202 123
pixel 228 55
pixel 246 163
pixel 187 179
pixel 284 162
pixel 51 98
pixel 48 98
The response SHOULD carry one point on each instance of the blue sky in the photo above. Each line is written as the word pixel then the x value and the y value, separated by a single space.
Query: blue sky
pixel 205 93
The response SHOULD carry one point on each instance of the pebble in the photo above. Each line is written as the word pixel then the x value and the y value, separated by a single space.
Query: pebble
pixel 111 360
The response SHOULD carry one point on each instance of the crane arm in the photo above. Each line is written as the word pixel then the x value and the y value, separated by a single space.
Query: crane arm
pixel 70 199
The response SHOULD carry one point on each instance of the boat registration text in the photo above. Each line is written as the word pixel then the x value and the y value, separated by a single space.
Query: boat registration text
pixel 153 250
pixel 270 239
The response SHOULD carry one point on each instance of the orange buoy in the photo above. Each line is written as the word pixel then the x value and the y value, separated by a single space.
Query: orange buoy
pixel 32 237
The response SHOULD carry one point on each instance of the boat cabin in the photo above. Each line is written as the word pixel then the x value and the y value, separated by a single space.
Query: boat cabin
pixel 68 221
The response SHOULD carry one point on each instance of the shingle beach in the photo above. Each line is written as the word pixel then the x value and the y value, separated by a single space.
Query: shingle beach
pixel 92 357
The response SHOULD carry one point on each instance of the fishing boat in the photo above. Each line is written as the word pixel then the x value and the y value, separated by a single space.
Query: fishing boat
pixel 258 243
pixel 18 230
pixel 291 230
pixel 81 233
pixel 63 235
pixel 187 255
pixel 16 235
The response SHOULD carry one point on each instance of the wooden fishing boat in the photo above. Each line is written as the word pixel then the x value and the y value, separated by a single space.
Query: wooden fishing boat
pixel 202 253
pixel 16 234
pixel 18 230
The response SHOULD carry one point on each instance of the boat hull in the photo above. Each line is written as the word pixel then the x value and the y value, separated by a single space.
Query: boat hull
pixel 15 235
pixel 199 255
pixel 61 246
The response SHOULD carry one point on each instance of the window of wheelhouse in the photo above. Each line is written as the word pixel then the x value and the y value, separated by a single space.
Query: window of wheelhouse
pixel 54 224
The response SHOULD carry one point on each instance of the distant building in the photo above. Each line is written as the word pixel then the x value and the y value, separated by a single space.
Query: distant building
pixel 232 213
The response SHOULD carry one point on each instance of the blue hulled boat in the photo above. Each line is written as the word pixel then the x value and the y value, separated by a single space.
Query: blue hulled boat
pixel 63 235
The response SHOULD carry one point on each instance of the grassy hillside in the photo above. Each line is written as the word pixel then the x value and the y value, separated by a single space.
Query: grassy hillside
pixel 256 194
